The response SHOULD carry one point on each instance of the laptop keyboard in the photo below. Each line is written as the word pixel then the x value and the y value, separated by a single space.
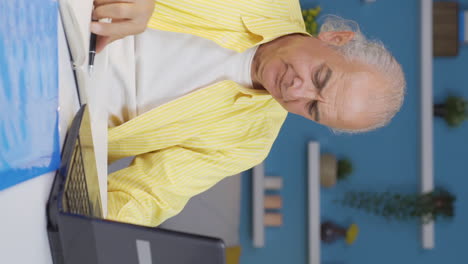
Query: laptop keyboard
pixel 76 198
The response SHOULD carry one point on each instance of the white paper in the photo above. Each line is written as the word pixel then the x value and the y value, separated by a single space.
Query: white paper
pixel 76 17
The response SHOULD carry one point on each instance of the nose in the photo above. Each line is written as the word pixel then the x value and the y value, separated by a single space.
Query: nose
pixel 297 90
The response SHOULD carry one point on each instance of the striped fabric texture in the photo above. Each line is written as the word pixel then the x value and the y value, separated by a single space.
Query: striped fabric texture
pixel 184 147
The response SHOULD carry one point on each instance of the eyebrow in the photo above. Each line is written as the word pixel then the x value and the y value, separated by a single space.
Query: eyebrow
pixel 323 85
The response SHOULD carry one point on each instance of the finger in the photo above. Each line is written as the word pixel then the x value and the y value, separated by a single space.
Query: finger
pixel 102 42
pixel 118 29
pixel 115 11
pixel 105 2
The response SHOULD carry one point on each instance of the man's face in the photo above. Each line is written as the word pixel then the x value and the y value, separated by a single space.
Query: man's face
pixel 309 78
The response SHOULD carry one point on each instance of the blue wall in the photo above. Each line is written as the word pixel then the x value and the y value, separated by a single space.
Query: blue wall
pixel 385 159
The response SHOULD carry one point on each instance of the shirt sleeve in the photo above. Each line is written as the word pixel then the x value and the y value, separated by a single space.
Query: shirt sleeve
pixel 157 185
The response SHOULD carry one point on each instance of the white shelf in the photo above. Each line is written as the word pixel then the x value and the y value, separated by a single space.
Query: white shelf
pixel 258 188
pixel 427 149
pixel 314 202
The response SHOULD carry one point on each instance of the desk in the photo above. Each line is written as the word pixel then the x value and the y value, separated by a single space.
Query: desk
pixel 23 233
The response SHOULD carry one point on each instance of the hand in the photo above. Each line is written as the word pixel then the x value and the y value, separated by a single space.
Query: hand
pixel 129 17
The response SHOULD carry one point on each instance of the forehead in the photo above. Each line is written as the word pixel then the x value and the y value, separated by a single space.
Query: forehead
pixel 355 99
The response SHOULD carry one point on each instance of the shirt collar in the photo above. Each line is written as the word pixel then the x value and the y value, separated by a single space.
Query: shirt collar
pixel 267 29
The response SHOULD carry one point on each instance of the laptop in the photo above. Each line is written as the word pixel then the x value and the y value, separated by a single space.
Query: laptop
pixel 78 233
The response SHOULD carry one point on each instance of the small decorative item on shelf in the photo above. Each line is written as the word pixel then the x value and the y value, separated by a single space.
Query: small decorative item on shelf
pixel 331 232
pixel 273 202
pixel 273 219
pixel 310 19
pixel 446 28
pixel 398 206
pixel 273 183
pixel 332 169
pixel 454 110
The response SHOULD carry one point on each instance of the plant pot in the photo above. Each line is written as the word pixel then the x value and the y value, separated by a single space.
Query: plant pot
pixel 440 110
pixel 331 232
pixel 328 170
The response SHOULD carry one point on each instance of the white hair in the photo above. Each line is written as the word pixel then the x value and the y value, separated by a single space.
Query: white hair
pixel 374 54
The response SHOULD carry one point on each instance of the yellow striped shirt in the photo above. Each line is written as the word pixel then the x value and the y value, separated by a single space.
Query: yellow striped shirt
pixel 184 147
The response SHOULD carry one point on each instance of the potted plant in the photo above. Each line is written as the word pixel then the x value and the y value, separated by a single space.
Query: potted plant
pixel 392 205
pixel 310 20
pixel 332 169
pixel 345 168
pixel 454 110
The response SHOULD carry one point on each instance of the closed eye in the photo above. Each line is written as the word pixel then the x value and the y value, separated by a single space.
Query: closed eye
pixel 315 79
pixel 312 109
pixel 312 106
pixel 320 84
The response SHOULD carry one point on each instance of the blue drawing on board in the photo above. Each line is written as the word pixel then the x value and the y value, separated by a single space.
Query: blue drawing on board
pixel 29 141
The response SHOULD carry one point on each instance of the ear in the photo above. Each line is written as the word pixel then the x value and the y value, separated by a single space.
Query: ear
pixel 336 38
